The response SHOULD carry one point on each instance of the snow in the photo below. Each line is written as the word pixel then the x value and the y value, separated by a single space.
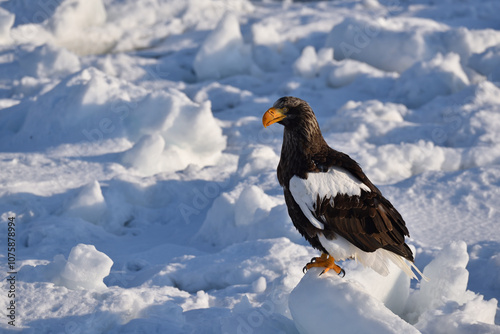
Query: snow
pixel 85 268
pixel 144 188
pixel 363 302
pixel 223 53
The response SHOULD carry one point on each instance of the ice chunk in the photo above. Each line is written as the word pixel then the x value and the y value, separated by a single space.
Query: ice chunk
pixel 146 155
pixel 245 214
pixel 88 204
pixel 251 200
pixel 346 71
pixel 6 22
pixel 72 26
pixel 447 281
pixel 442 75
pixel 319 304
pixel 260 159
pixel 376 41
pixel 223 52
pixel 85 268
pixel 90 107
pixel 487 63
pixel 307 64
pixel 392 290
pixel 259 285
pixel 47 60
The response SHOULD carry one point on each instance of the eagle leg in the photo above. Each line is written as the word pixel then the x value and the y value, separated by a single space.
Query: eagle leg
pixel 324 261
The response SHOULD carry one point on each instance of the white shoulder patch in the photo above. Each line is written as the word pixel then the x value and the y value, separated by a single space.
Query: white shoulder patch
pixel 325 185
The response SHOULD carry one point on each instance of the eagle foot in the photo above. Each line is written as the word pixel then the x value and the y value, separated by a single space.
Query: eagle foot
pixel 326 261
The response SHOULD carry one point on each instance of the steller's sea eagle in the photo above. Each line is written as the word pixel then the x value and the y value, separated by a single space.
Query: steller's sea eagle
pixel 331 201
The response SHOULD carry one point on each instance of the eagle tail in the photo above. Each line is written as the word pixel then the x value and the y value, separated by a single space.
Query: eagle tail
pixel 403 264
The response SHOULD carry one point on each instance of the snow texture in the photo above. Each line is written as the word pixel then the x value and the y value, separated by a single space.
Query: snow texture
pixel 144 188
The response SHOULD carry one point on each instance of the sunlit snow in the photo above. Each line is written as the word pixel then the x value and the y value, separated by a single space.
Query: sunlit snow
pixel 143 184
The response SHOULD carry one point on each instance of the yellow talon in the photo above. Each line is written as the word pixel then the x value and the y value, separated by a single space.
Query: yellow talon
pixel 325 261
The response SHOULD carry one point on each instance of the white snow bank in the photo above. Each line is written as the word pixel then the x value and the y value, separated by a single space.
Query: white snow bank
pixel 85 268
pixel 309 64
pixel 73 21
pixel 319 304
pixel 469 117
pixel 258 160
pixel 223 53
pixel 147 154
pixel 377 41
pixel 347 70
pixel 239 264
pixel 246 213
pixel 31 69
pixel 393 163
pixel 6 22
pixel 395 44
pixel 442 75
pixel 72 15
pixel 46 61
pixel 370 118
pixel 445 300
pixel 487 63
pixel 94 26
pixel 221 96
pixel 88 204
pixel 360 302
pixel 91 107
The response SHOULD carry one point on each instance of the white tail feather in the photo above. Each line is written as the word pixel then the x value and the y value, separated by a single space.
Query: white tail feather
pixel 405 265
pixel 342 249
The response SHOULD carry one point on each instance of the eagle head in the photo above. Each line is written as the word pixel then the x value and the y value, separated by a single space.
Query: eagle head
pixel 289 111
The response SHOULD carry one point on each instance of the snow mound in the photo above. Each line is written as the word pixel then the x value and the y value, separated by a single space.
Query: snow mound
pixel 376 41
pixel 362 301
pixel 319 304
pixel 487 63
pixel 88 204
pixel 309 63
pixel 47 61
pixel 79 26
pixel 348 70
pixel 375 116
pixel 85 268
pixel 91 107
pixel 469 117
pixel 442 75
pixel 6 22
pixel 445 300
pixel 393 163
pixel 223 53
pixel 246 213
pixel 146 154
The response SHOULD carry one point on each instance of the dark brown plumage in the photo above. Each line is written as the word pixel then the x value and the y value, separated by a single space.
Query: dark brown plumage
pixel 367 220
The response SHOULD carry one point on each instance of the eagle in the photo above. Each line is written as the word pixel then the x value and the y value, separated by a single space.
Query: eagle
pixel 331 201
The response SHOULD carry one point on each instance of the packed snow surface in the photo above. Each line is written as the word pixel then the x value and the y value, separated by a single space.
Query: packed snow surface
pixel 140 187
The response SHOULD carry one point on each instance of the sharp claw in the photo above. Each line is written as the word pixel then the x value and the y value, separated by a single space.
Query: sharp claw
pixel 312 260
pixel 304 270
pixel 322 272
pixel 342 273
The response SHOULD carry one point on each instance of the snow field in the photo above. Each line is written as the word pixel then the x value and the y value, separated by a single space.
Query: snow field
pixel 134 159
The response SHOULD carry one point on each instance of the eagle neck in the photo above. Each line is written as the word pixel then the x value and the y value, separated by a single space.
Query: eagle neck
pixel 299 148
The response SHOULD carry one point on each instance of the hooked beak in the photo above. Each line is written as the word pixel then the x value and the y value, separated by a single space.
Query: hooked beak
pixel 273 115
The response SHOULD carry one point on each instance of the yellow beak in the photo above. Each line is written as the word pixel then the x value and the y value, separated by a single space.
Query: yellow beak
pixel 272 116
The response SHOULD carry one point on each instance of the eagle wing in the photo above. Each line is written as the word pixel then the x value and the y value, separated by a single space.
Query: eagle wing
pixel 340 200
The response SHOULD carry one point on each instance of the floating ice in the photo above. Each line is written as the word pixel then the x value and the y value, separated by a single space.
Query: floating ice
pixel 85 268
